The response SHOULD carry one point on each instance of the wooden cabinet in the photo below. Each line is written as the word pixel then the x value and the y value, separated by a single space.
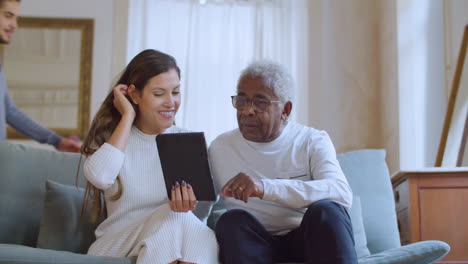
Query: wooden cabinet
pixel 432 204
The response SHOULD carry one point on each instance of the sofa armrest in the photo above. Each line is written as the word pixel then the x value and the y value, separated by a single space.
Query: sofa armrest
pixel 424 252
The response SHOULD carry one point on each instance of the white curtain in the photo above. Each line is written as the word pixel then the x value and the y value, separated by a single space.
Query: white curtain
pixel 213 42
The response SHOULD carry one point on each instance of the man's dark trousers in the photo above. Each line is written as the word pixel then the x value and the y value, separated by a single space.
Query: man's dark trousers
pixel 324 236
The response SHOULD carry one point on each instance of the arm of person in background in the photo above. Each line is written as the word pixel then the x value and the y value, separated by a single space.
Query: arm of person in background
pixel 30 128
pixel 328 182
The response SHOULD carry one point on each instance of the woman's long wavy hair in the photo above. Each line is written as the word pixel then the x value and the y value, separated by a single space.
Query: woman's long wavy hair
pixel 138 72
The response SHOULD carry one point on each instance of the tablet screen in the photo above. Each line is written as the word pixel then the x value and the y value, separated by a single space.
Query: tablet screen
pixel 184 156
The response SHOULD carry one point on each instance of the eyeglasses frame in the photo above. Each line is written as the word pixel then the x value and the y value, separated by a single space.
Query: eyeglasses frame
pixel 250 102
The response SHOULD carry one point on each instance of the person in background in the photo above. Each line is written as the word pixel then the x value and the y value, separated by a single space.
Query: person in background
pixel 123 165
pixel 285 193
pixel 9 112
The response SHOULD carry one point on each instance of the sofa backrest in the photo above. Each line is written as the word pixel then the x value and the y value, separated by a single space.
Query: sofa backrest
pixel 23 172
pixel 368 176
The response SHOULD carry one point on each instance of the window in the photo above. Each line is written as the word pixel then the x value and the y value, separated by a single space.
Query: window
pixel 212 43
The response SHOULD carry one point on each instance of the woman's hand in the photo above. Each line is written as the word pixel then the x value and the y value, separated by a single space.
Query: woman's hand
pixel 121 102
pixel 182 198
pixel 119 137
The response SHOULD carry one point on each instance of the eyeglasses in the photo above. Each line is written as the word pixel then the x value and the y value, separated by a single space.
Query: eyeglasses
pixel 260 105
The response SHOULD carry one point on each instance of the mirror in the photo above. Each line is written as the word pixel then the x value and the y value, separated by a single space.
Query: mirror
pixel 48 71
pixel 454 134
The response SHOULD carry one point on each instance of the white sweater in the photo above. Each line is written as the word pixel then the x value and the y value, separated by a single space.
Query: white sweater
pixel 297 168
pixel 140 174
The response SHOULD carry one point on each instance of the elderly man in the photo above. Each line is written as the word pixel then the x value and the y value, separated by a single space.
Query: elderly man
pixel 283 187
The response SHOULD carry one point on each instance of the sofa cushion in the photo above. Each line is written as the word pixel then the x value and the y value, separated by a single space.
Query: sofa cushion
pixel 360 241
pixel 24 172
pixel 61 226
pixel 367 174
pixel 15 254
pixel 417 253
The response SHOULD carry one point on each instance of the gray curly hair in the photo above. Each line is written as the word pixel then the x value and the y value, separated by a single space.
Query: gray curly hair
pixel 275 76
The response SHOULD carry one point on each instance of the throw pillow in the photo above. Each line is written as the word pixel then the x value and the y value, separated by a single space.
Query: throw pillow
pixel 61 227
pixel 360 240
pixel 368 177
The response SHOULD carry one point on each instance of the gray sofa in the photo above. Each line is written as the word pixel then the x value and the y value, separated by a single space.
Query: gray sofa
pixel 40 207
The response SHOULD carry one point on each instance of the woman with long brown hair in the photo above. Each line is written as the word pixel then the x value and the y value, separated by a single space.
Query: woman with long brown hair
pixel 123 165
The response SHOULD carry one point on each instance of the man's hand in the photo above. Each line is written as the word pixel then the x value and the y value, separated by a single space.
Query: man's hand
pixel 69 145
pixel 243 186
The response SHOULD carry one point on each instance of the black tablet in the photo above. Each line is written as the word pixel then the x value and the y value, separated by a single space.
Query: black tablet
pixel 184 157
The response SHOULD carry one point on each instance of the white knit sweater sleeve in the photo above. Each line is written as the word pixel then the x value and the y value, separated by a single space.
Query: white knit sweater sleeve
pixel 328 181
pixel 103 166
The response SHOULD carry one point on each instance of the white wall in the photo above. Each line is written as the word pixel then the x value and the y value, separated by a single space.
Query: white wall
pixel 344 92
pixel 421 80
pixel 377 76
pixel 388 83
pixel 120 38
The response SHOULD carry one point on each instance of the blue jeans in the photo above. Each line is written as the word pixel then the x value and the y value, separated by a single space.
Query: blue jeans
pixel 324 236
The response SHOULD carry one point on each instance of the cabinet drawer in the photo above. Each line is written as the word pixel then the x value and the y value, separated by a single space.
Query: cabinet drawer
pixel 401 194
pixel 404 226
